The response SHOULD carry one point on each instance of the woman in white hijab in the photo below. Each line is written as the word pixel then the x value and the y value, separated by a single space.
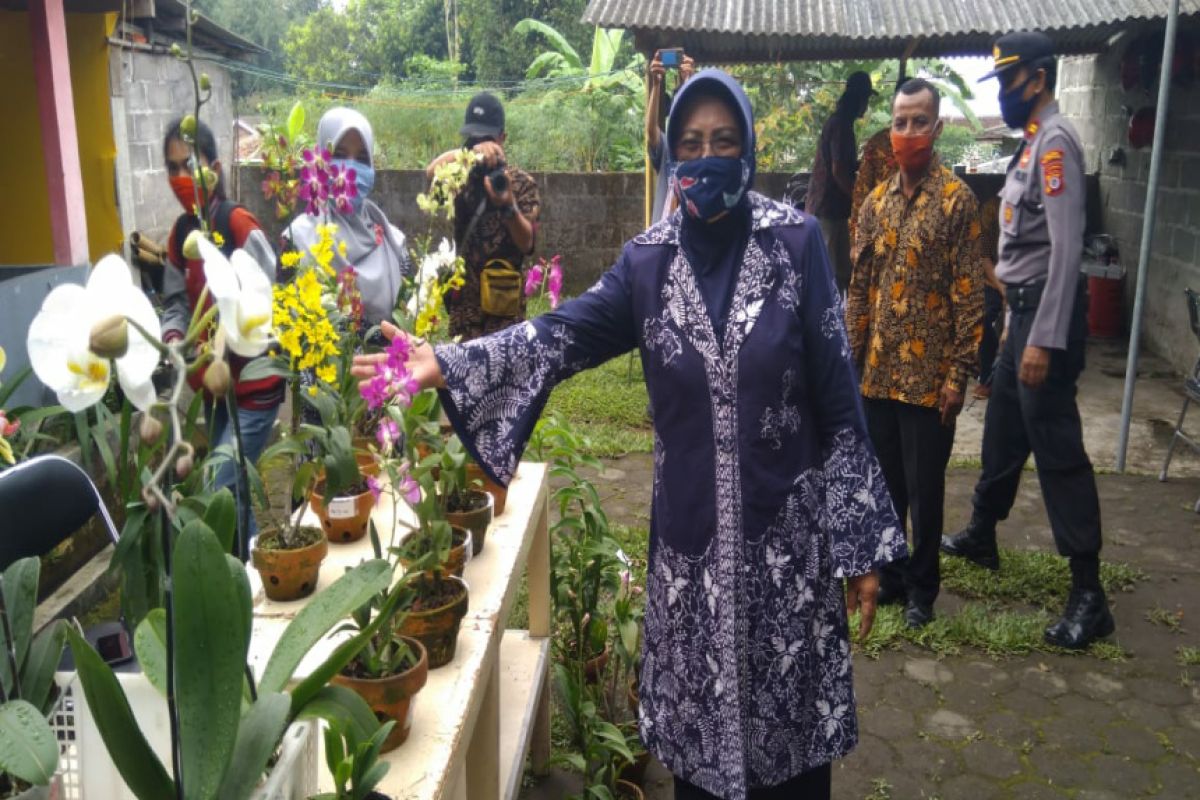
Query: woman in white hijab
pixel 374 247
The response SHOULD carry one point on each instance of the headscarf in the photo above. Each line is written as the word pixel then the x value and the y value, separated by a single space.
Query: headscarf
pixel 715 249
pixel 374 247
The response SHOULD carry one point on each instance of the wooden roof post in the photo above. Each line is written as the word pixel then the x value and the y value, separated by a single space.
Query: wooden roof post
pixel 60 143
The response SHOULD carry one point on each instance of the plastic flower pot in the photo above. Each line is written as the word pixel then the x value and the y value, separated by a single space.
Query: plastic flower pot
pixel 436 616
pixel 289 574
pixel 393 696
pixel 476 517
pixel 498 492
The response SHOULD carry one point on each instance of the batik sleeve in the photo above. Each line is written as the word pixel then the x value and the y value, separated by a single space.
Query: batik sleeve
pixel 858 516
pixel 497 385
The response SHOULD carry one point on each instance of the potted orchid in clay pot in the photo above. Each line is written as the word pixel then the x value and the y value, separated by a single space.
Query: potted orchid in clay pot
pixel 464 501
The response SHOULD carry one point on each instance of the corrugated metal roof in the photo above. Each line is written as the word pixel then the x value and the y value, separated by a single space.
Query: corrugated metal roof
pixel 767 30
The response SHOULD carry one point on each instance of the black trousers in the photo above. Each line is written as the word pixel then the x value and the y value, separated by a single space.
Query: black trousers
pixel 913 447
pixel 1044 421
pixel 993 323
pixel 812 785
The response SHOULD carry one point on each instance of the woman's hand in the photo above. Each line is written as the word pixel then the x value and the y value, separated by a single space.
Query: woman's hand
pixel 421 361
pixel 861 592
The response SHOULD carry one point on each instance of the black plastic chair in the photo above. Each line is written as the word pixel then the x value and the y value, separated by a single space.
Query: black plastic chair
pixel 1191 391
pixel 42 502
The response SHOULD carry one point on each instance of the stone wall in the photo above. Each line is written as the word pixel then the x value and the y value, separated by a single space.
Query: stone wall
pixel 1091 95
pixel 151 90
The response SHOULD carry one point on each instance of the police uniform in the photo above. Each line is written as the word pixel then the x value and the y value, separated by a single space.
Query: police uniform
pixel 1042 214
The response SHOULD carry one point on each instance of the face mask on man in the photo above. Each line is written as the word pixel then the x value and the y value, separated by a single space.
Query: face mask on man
pixel 708 187
pixel 913 153
pixel 1014 108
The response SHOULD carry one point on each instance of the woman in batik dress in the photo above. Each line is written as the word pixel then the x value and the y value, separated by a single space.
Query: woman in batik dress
pixel 767 495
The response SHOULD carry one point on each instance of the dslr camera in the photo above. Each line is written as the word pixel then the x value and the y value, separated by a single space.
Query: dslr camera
pixel 496 175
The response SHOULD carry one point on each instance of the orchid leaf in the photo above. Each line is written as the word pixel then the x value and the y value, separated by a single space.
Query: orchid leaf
pixel 150 644
pixel 45 653
pixel 28 748
pixel 257 738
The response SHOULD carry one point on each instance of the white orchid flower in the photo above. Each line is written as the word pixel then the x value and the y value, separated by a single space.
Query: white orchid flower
pixel 242 292
pixel 59 336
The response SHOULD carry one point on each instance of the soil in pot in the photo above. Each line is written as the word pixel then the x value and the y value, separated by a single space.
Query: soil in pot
pixel 475 515
pixel 498 492
pixel 435 616
pixel 345 518
pixel 290 573
pixel 391 697
pixel 460 552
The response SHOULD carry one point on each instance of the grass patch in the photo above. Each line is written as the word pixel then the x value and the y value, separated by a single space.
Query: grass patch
pixel 1188 656
pixel 978 626
pixel 1029 576
pixel 1171 620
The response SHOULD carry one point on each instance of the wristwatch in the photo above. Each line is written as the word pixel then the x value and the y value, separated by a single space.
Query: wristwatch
pixel 508 212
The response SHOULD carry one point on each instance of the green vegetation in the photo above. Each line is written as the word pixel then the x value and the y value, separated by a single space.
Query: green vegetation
pixel 1029 576
pixel 1171 620
pixel 1188 656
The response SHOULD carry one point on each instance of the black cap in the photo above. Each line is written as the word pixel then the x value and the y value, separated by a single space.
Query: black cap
pixel 859 85
pixel 485 117
pixel 1014 49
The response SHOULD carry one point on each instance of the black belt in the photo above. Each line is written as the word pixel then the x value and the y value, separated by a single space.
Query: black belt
pixel 1025 296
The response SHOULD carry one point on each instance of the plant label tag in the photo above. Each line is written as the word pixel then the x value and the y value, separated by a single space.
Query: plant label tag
pixel 341 508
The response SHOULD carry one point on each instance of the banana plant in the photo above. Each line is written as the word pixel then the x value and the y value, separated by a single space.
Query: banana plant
pixel 28 748
pixel 227 729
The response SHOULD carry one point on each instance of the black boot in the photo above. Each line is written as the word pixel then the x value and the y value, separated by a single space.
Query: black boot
pixel 1085 619
pixel 976 543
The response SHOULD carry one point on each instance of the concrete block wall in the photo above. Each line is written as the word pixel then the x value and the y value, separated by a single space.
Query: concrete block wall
pixel 150 90
pixel 587 217
pixel 1091 95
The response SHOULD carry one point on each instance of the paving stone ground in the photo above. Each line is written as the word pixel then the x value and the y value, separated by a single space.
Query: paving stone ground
pixel 1041 726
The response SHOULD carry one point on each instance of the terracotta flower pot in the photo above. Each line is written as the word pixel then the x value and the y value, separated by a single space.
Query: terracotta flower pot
pixel 461 550
pixel 392 697
pixel 595 665
pixel 345 518
pixel 290 574
pixel 635 773
pixel 498 492
pixel 476 520
pixel 437 627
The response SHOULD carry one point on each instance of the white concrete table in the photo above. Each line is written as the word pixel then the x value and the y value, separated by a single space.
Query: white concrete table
pixel 480 715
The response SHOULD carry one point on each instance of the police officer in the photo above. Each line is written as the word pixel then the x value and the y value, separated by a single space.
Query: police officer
pixel 1032 406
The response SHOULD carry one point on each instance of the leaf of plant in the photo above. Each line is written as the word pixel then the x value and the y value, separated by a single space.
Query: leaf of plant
pixel 245 596
pixel 295 122
pixel 343 707
pixel 28 748
pixel 140 768
pixel 20 599
pixel 324 611
pixel 150 644
pixel 37 676
pixel 258 735
pixel 209 661
pixel 554 38
pixel 221 517
pixel 265 367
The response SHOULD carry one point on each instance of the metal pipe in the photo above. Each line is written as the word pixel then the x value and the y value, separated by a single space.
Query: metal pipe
pixel 1139 298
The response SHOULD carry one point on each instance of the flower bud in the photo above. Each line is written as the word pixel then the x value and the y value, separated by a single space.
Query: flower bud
pixel 187 127
pixel 176 50
pixel 205 82
pixel 183 465
pixel 217 378
pixel 209 177
pixel 149 428
pixel 110 337
pixel 191 245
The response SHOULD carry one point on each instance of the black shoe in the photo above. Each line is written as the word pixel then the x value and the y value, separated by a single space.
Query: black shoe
pixel 1085 619
pixel 917 614
pixel 891 596
pixel 976 543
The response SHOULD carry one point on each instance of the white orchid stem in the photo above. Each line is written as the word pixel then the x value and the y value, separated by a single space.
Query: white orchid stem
pixel 153 340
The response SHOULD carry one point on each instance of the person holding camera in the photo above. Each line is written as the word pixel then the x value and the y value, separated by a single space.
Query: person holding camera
pixel 656 146
pixel 495 225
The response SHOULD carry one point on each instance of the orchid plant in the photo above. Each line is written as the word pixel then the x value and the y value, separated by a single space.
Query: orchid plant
pixel 546 278
pixel 281 156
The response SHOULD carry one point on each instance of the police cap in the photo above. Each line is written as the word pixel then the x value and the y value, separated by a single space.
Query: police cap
pixel 1016 49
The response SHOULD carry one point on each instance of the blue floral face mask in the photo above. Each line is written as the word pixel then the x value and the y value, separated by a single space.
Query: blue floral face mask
pixel 708 187
pixel 364 180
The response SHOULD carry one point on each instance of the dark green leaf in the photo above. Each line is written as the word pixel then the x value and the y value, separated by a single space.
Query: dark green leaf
pixel 264 367
pixel 257 738
pixel 342 707
pixel 20 600
pixel 37 675
pixel 139 767
pixel 221 518
pixel 150 644
pixel 28 748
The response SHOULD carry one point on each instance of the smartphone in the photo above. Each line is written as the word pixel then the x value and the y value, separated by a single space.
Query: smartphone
pixel 671 58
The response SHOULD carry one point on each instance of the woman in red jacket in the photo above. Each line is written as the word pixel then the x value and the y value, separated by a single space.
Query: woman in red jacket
pixel 257 401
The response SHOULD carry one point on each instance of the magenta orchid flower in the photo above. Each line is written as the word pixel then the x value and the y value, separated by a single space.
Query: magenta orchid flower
pixel 387 434
pixel 533 280
pixel 409 488
pixel 342 188
pixel 554 281
pixel 375 486
pixel 315 180
pixel 393 381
